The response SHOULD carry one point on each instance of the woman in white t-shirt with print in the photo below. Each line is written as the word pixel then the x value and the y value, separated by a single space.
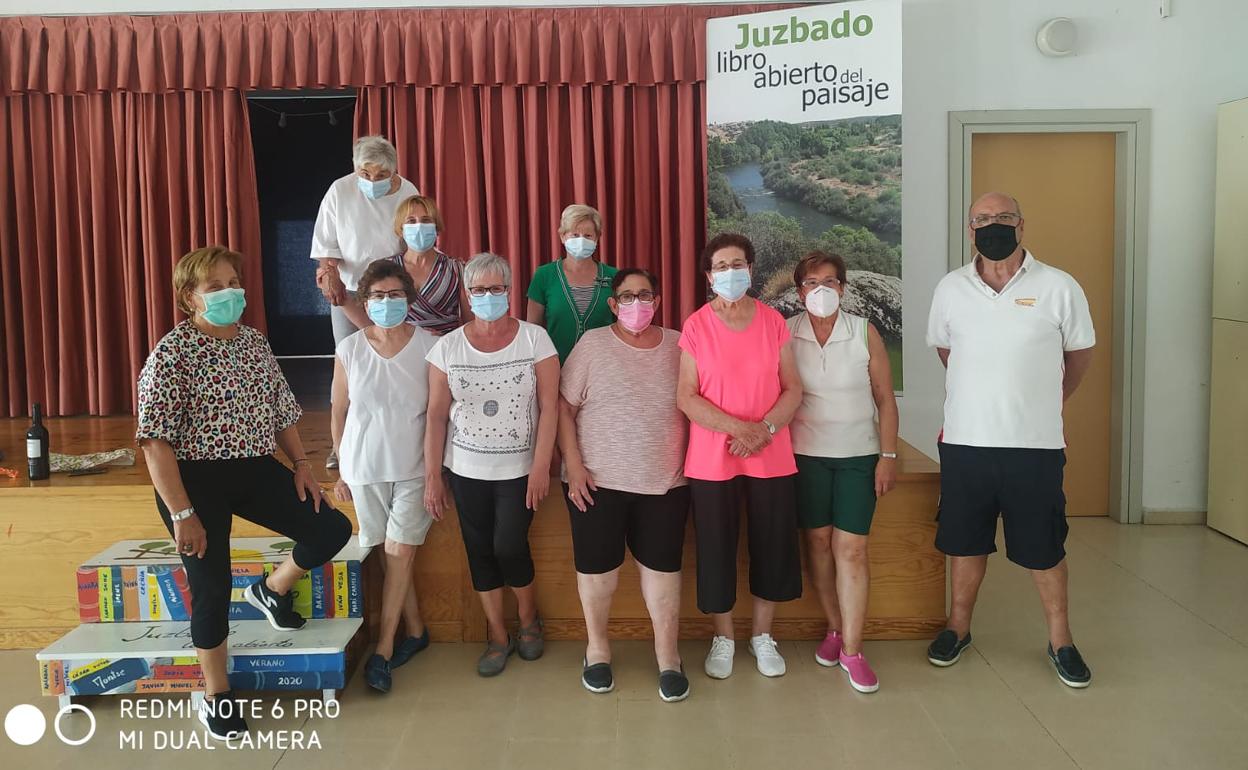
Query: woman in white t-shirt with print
pixel 380 392
pixel 496 380
pixel 845 444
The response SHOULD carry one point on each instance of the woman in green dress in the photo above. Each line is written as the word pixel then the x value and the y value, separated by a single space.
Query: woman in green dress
pixel 568 297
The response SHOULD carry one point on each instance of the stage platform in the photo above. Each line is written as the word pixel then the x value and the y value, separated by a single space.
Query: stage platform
pixel 51 527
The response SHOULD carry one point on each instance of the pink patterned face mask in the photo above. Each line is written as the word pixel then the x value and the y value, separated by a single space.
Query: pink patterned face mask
pixel 636 317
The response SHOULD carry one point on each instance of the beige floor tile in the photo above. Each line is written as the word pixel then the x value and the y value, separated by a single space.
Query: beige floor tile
pixel 1159 613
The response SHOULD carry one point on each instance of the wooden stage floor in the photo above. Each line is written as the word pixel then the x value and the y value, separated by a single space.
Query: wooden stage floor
pixel 48 528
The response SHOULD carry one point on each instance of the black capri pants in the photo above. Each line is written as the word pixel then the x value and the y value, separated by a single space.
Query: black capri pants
pixel 653 526
pixel 262 491
pixel 771 525
pixel 494 522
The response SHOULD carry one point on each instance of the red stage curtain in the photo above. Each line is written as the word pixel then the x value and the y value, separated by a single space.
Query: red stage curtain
pixel 503 161
pixel 336 49
pixel 100 194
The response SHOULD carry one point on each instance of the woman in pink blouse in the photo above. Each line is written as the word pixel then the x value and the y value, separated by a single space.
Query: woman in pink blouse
pixel 213 408
pixel 740 387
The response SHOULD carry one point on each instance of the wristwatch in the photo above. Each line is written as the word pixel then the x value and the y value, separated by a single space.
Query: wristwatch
pixel 771 428
pixel 888 455
pixel 182 515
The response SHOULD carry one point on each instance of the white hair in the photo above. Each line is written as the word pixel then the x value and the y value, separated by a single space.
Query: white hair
pixel 575 214
pixel 375 149
pixel 485 263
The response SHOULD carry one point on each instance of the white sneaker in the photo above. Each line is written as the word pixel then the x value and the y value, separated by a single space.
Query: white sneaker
pixel 770 662
pixel 719 659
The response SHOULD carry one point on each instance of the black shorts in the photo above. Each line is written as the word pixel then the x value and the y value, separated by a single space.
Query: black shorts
pixel 771 526
pixel 1023 486
pixel 652 525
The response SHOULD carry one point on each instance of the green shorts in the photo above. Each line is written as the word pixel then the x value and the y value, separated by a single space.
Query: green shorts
pixel 836 491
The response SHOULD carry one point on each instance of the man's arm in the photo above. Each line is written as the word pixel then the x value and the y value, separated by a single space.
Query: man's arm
pixel 1077 363
pixel 944 356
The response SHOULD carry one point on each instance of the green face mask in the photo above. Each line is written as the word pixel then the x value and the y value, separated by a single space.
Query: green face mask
pixel 224 307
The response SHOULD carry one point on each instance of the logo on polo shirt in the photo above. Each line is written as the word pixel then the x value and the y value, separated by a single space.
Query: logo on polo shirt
pixel 1026 301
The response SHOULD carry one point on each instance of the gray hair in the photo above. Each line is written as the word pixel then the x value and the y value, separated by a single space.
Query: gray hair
pixel 485 263
pixel 375 149
pixel 1017 206
pixel 575 214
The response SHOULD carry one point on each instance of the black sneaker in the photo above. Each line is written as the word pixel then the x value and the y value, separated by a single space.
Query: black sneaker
pixel 222 716
pixel 377 673
pixel 673 685
pixel 946 648
pixel 597 678
pixel 280 610
pixel 408 648
pixel 1070 666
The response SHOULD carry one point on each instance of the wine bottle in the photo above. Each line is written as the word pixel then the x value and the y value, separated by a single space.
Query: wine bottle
pixel 37 446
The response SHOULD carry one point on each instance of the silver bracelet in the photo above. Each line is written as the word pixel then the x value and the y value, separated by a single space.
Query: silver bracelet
pixel 182 515
pixel 888 455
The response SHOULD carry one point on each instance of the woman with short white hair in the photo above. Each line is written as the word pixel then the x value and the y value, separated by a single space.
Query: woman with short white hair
pixel 354 227
pixel 496 381
pixel 568 297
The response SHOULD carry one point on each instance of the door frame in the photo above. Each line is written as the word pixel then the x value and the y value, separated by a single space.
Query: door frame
pixel 1131 129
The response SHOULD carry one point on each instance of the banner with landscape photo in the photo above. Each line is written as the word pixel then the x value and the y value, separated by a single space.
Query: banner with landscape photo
pixel 804 149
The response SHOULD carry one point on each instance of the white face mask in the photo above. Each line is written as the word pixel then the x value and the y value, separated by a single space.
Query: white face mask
pixel 822 302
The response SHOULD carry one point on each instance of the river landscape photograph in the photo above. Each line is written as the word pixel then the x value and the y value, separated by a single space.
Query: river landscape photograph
pixel 834 186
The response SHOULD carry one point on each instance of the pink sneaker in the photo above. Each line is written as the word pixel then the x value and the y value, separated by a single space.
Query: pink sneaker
pixel 829 651
pixel 861 677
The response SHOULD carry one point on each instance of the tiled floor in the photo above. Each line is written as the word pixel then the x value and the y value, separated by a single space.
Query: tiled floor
pixel 1161 613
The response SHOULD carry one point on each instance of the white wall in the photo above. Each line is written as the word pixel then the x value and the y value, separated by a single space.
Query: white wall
pixel 980 54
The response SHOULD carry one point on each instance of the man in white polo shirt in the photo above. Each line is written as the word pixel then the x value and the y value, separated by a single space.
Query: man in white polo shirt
pixel 1016 338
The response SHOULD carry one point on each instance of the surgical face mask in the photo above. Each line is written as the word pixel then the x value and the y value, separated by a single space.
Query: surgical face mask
pixel 996 241
pixel 489 307
pixel 373 190
pixel 420 236
pixel 822 302
pixel 636 317
pixel 387 313
pixel 731 284
pixel 224 307
pixel 580 247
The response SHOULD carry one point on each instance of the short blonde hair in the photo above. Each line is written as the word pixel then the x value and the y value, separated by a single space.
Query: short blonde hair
pixel 575 214
pixel 193 269
pixel 405 210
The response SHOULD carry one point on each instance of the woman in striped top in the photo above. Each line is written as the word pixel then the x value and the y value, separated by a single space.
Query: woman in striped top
pixel 440 303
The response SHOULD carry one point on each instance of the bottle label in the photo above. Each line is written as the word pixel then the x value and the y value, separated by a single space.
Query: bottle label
pixel 34 450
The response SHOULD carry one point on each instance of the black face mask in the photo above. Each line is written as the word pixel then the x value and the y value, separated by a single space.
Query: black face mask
pixel 996 241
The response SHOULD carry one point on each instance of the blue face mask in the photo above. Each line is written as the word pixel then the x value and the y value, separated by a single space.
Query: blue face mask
pixel 731 284
pixel 387 313
pixel 224 307
pixel 373 190
pixel 580 247
pixel 420 236
pixel 489 307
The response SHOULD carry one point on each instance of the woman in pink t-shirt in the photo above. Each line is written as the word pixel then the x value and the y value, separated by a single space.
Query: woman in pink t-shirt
pixel 740 387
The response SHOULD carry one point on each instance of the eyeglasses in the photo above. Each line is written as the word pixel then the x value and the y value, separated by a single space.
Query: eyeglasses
pixel 830 283
pixel 1008 218
pixel 628 298
pixel 481 291
pixel 740 264
pixel 393 294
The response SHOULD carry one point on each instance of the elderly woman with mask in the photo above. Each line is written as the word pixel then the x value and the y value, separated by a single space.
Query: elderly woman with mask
pixel 845 445
pixel 493 414
pixel 623 440
pixel 354 227
pixel 739 387
pixel 568 297
pixel 213 409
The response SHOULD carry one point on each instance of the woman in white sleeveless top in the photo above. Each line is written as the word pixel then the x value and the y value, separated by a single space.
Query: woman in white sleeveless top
pixel 845 444
pixel 380 395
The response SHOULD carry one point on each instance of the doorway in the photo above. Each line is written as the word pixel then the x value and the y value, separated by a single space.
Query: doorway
pixel 1078 177
pixel 302 143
